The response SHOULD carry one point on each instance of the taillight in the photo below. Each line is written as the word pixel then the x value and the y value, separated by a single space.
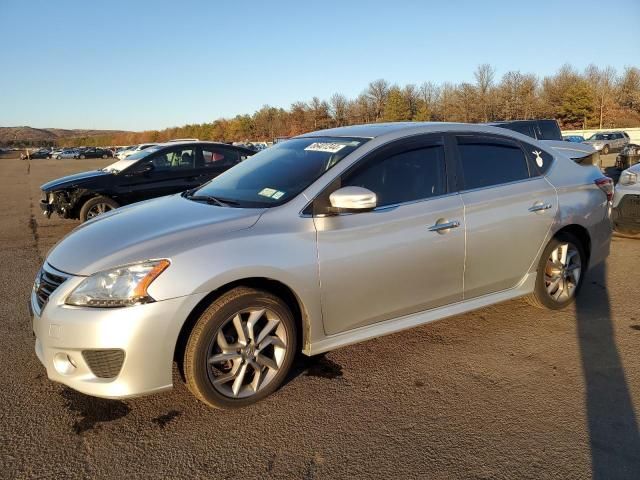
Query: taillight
pixel 606 185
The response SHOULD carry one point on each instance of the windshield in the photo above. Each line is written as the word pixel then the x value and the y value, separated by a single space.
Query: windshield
pixel 121 165
pixel 277 174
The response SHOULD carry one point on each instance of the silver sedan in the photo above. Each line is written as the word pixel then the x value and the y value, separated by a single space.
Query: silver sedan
pixel 321 241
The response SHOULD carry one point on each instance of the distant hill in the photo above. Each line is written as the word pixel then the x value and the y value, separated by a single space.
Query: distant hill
pixel 10 136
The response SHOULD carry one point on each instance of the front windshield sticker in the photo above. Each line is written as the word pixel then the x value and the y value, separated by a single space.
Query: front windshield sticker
pixel 277 195
pixel 325 147
pixel 267 192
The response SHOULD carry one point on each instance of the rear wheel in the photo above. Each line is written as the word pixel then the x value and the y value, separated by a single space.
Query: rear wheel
pixel 96 206
pixel 240 349
pixel 560 273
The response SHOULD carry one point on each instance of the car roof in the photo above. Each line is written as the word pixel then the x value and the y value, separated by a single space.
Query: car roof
pixel 401 129
pixel 373 130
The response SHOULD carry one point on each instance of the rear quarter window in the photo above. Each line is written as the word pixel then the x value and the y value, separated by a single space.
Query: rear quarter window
pixel 539 160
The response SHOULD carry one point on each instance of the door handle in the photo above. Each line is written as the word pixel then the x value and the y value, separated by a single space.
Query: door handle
pixel 443 226
pixel 540 207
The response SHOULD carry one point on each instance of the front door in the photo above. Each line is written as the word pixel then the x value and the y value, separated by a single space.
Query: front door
pixel 163 173
pixel 394 260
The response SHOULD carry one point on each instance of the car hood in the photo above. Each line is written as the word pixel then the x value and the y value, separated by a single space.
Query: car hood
pixel 72 180
pixel 159 228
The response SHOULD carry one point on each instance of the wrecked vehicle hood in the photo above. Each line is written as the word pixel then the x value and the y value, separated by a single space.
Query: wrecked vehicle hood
pixel 159 228
pixel 72 180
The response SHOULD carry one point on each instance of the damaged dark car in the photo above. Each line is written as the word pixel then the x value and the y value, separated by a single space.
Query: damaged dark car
pixel 160 170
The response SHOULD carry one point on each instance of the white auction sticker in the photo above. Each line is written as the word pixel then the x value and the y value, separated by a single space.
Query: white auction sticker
pixel 325 147
pixel 267 192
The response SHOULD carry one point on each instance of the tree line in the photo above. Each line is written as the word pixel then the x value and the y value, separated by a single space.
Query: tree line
pixel 598 97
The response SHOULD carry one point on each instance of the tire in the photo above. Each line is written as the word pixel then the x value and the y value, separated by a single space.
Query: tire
pixel 605 150
pixel 232 383
pixel 104 155
pixel 544 294
pixel 82 157
pixel 96 206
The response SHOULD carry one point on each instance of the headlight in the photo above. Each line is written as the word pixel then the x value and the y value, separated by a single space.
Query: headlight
pixel 120 287
pixel 628 178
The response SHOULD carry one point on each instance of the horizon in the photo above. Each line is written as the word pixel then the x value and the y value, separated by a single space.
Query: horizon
pixel 153 66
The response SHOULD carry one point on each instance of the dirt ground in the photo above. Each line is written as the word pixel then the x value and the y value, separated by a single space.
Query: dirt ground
pixel 505 392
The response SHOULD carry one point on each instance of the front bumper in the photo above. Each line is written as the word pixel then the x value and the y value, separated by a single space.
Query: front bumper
pixel 626 210
pixel 146 334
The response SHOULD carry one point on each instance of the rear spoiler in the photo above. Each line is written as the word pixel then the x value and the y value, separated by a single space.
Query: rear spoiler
pixel 581 153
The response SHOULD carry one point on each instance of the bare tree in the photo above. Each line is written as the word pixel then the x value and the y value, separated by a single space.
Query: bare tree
pixel 602 82
pixel 338 104
pixel 484 76
pixel 377 92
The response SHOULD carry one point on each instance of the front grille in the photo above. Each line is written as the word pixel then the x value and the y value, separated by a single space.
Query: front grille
pixel 104 363
pixel 46 283
pixel 629 207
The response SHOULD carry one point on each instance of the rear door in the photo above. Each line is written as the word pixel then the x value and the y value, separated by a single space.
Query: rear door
pixel 394 260
pixel 509 210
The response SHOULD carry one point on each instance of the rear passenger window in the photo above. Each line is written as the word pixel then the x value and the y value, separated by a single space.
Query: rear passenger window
pixel 219 157
pixel 403 177
pixel 490 161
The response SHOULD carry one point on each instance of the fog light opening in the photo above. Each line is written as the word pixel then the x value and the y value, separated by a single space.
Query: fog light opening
pixel 64 364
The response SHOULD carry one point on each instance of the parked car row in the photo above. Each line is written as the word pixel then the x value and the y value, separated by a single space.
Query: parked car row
pixel 324 240
pixel 62 153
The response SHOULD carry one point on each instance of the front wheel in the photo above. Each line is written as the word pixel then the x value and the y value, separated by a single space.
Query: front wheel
pixel 96 206
pixel 241 349
pixel 560 273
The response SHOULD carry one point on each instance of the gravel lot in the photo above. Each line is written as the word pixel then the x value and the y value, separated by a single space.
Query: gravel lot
pixel 505 392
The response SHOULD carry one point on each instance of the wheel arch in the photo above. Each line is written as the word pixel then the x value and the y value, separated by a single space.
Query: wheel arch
pixel 275 287
pixel 581 233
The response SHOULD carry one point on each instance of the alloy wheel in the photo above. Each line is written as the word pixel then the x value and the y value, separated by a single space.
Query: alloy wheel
pixel 562 272
pixel 98 209
pixel 246 353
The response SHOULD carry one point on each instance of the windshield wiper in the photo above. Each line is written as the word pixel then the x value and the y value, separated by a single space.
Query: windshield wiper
pixel 221 202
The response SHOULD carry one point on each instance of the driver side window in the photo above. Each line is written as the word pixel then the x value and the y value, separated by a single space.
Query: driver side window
pixel 176 158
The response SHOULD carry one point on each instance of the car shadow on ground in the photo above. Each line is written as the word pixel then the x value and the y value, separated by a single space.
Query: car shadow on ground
pixel 613 426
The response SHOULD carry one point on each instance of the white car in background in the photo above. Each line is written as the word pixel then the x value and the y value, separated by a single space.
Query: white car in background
pixel 135 149
pixel 67 153
pixel 626 202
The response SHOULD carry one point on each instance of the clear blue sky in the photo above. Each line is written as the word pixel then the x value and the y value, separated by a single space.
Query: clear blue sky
pixel 154 64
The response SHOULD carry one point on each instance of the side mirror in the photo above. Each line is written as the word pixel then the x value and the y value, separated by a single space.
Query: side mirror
pixel 148 168
pixel 353 199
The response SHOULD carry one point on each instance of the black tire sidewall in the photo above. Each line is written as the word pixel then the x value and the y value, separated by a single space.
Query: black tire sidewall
pixel 200 340
pixel 541 289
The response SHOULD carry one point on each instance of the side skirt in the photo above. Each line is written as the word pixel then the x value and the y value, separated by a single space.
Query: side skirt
pixel 331 342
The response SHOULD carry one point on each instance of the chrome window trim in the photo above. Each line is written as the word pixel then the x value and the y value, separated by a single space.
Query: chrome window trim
pixel 497 185
pixel 383 208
